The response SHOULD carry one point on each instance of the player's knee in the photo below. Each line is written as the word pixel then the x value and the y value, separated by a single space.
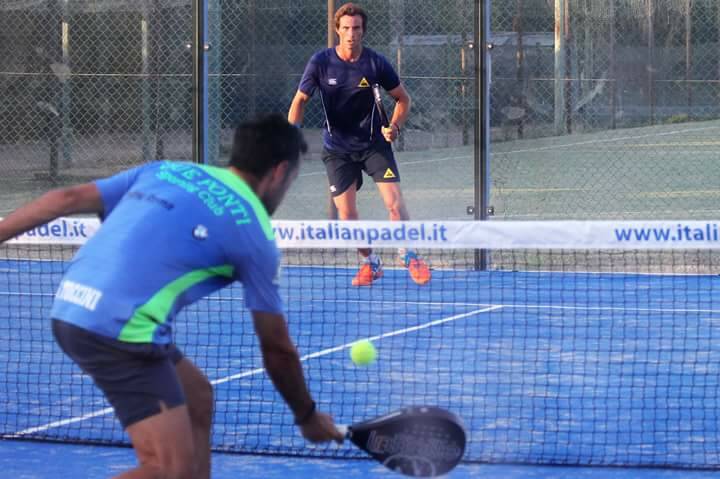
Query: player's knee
pixel 348 213
pixel 182 465
pixel 394 206
pixel 177 466
pixel 201 403
pixel 394 210
pixel 181 472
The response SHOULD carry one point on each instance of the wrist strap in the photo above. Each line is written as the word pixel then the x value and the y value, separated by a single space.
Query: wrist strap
pixel 306 417
pixel 396 126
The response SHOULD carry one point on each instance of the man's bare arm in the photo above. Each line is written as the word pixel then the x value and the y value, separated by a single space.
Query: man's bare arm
pixel 83 198
pixel 400 112
pixel 297 108
pixel 282 364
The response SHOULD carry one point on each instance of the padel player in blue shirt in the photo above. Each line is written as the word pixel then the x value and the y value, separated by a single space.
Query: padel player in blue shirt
pixel 173 233
pixel 354 139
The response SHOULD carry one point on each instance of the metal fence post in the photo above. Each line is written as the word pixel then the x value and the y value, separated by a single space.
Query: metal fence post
pixel 145 85
pixel 65 105
pixel 200 71
pixel 560 65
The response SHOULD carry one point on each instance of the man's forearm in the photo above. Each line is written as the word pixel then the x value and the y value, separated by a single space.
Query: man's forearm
pixel 75 199
pixel 296 113
pixel 400 112
pixel 286 373
pixel 38 212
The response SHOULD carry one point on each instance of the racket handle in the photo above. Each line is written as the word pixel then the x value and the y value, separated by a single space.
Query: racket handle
pixel 344 430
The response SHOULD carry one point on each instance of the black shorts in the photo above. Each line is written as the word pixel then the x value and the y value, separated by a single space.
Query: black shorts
pixel 135 378
pixel 345 169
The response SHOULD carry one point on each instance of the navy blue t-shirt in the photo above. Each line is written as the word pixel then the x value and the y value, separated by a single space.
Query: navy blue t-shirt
pixel 346 94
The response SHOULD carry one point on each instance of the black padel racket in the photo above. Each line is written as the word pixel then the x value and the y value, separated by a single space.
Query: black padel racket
pixel 380 107
pixel 423 441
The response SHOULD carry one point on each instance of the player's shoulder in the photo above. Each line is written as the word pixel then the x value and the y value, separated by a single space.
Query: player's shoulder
pixel 251 241
pixel 245 217
pixel 373 55
pixel 322 57
pixel 152 166
pixel 165 173
pixel 375 60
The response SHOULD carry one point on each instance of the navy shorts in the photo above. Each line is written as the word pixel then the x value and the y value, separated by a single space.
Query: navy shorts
pixel 135 378
pixel 345 169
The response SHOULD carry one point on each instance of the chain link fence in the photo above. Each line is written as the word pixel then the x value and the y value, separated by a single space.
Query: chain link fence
pixel 265 47
pixel 615 117
pixel 612 117
pixel 93 87
pixel 90 88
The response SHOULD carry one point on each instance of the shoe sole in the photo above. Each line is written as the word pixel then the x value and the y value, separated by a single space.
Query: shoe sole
pixel 421 276
pixel 378 275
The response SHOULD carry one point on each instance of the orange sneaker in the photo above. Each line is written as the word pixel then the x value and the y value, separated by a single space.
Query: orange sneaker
pixel 368 273
pixel 418 269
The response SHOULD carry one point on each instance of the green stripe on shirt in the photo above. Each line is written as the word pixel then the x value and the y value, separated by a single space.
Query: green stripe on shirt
pixel 146 319
pixel 230 179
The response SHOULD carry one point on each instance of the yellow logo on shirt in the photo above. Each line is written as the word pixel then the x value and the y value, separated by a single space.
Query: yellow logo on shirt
pixel 389 174
pixel 363 83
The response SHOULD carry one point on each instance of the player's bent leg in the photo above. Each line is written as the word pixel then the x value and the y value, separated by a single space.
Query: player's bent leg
pixel 417 267
pixel 393 199
pixel 346 204
pixel 164 446
pixel 200 403
pixel 371 268
pixel 394 202
pixel 141 383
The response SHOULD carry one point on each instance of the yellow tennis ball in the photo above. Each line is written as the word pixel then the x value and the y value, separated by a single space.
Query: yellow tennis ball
pixel 363 353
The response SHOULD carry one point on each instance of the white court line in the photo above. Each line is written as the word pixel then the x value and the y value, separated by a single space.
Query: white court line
pixel 542 148
pixel 313 173
pixel 611 308
pixel 15 293
pixel 435 160
pixel 611 215
pixel 55 424
pixel 256 371
pixel 401 163
pixel 522 306
pixel 443 304
pixel 325 352
pixel 604 140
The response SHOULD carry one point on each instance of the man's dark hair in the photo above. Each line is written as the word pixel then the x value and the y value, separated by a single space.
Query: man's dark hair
pixel 351 10
pixel 261 144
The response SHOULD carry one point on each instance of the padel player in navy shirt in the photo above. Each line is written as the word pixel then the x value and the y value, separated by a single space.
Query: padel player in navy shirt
pixel 354 139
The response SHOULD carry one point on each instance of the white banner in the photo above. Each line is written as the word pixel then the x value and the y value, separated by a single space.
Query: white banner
pixel 73 231
pixel 500 234
pixel 448 234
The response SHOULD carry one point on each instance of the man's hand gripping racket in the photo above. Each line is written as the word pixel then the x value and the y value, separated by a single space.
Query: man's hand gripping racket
pixel 387 130
pixel 422 441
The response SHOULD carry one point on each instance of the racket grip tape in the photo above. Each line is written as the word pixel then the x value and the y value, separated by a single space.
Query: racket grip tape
pixel 345 430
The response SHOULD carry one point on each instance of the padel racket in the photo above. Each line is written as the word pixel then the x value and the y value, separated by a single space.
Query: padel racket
pixel 423 441
pixel 379 105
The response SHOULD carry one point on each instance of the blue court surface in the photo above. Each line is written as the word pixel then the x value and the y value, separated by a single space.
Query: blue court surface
pixel 545 368
pixel 26 460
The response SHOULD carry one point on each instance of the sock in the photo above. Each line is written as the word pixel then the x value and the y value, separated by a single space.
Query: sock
pixel 372 259
pixel 409 255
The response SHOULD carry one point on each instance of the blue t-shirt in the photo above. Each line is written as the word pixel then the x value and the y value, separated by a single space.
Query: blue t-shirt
pixel 172 233
pixel 346 94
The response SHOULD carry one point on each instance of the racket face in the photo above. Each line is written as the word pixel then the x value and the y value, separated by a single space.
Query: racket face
pixel 379 105
pixel 417 442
